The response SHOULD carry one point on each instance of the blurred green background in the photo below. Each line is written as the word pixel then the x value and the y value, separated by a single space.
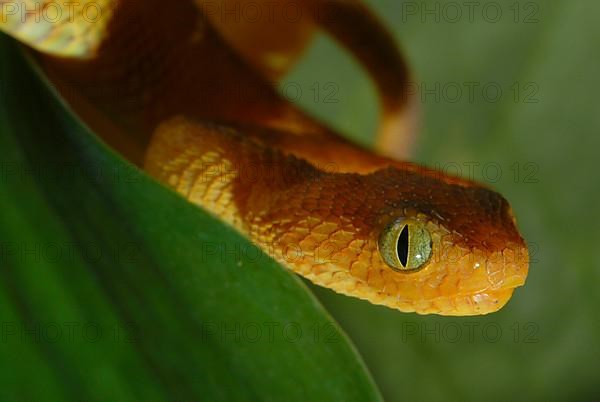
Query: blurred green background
pixel 544 57
pixel 529 128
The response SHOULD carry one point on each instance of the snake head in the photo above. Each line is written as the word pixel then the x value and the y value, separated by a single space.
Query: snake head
pixel 419 241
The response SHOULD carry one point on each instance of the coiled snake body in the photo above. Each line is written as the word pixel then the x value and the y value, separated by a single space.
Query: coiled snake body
pixel 187 98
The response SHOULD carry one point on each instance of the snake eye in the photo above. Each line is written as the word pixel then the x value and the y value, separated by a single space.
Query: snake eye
pixel 405 245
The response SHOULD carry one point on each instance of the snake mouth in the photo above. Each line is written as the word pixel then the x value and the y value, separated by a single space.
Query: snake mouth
pixel 485 290
pixel 476 304
pixel 466 291
pixel 481 302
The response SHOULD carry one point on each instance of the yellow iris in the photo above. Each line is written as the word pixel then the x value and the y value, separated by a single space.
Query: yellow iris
pixel 405 245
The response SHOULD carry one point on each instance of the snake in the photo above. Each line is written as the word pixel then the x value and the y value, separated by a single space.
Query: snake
pixel 188 96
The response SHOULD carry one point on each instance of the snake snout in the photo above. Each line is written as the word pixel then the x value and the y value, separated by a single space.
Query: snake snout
pixel 498 260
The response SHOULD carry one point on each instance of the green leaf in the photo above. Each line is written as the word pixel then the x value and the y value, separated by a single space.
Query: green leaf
pixel 114 288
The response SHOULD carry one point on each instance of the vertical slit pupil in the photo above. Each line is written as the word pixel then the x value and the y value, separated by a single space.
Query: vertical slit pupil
pixel 402 246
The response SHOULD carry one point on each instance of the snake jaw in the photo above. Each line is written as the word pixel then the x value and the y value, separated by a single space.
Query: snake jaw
pixel 475 283
pixel 484 281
